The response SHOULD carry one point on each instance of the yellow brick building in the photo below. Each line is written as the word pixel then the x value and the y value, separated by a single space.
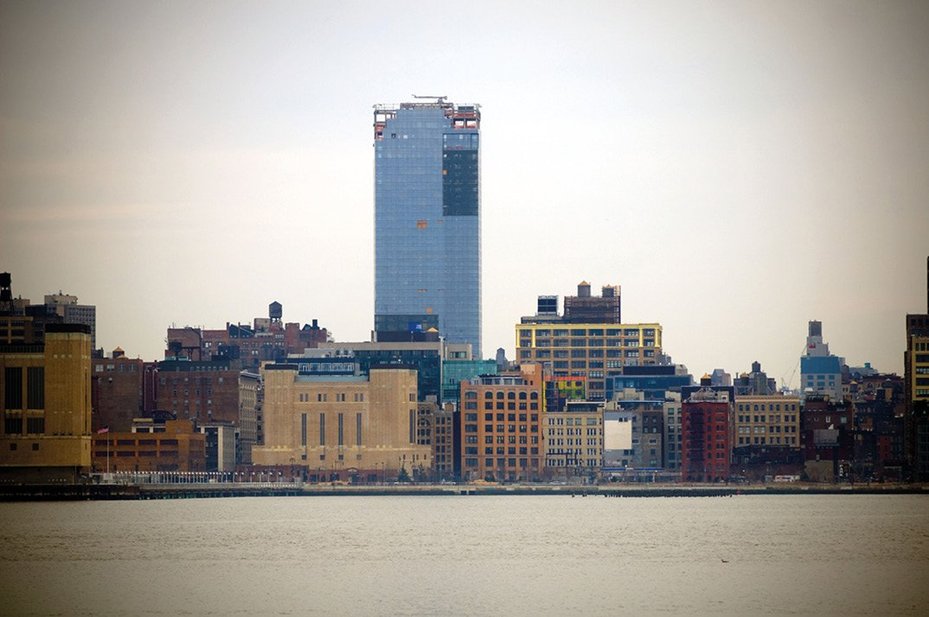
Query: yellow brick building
pixel 588 350
pixel 45 391
pixel 342 427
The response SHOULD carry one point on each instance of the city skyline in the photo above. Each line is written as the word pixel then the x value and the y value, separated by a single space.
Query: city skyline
pixel 738 169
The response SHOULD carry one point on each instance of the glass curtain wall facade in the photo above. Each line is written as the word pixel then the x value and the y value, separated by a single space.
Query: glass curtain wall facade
pixel 427 221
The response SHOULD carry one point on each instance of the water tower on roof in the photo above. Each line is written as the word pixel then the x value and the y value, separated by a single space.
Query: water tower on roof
pixel 275 311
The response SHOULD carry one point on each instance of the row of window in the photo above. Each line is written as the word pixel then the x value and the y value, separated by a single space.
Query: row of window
pixel 510 417
pixel 513 406
pixel 761 441
pixel 745 430
pixel 322 397
pixel 591 432
pixel 527 332
pixel 584 343
pixel 553 441
pixel 767 407
pixel 122 367
pixel 13 425
pixel 500 394
pixel 501 428
pixel 569 421
pixel 177 380
pixel 502 463
pixel 510 450
pixel 770 419
pixel 534 439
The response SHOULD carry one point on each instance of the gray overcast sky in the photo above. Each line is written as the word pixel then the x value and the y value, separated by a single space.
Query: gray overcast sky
pixel 738 167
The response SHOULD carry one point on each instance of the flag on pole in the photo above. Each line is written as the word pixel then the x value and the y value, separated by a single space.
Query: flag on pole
pixel 105 429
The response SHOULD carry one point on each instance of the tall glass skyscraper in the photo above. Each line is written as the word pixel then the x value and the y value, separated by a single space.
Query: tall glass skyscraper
pixel 427 233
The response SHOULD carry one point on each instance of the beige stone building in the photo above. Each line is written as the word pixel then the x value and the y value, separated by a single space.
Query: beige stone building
pixel 574 440
pixel 45 391
pixel 772 420
pixel 342 427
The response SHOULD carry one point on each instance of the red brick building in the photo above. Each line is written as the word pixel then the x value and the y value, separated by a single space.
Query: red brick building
pixel 706 434
pixel 117 391
pixel 501 426
pixel 203 391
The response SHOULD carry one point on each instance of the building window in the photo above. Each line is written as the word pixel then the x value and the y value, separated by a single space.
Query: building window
pixel 13 426
pixel 322 429
pixel 35 387
pixel 13 388
pixel 35 426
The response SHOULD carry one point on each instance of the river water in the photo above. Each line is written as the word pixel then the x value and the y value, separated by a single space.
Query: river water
pixel 468 555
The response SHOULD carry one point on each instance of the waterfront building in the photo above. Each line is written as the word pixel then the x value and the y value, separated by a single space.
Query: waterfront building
pixel 436 429
pixel 589 351
pixel 157 444
pixel 673 440
pixel 205 391
pixel 643 451
pixel 338 427
pixel 661 385
pixel 45 391
pixel 826 427
pixel 501 426
pixel 706 426
pixel 766 436
pixel 250 415
pixel 446 444
pixel 573 442
pixel 820 371
pixel 220 445
pixel 879 433
pixel 767 420
pixel 117 391
pixel 427 243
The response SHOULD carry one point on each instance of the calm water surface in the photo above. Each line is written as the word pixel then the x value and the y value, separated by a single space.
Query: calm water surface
pixel 521 556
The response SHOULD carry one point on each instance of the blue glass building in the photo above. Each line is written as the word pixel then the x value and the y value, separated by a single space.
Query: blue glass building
pixel 427 239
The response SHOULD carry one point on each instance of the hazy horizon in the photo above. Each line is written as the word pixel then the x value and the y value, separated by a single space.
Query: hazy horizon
pixel 739 168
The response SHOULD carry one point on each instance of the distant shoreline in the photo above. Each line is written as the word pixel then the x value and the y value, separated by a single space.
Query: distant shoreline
pixel 105 492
